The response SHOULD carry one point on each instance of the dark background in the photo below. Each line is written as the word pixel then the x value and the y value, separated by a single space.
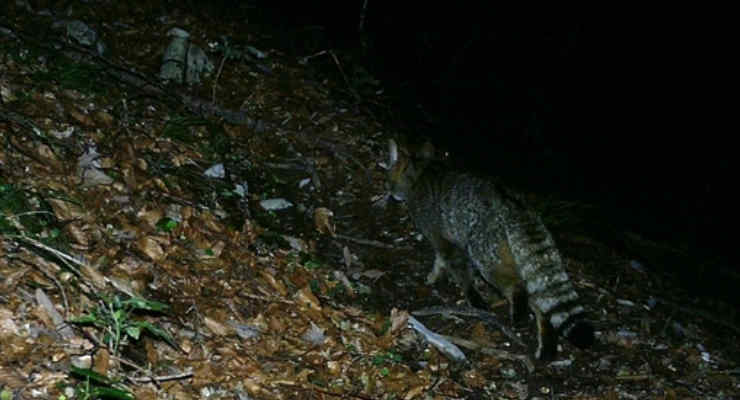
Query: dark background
pixel 622 108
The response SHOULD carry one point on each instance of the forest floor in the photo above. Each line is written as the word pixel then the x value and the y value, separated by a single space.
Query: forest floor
pixel 234 239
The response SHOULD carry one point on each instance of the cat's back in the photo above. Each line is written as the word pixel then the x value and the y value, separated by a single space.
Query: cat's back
pixel 456 202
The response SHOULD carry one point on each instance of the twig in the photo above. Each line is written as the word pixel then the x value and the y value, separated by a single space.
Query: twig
pixel 366 242
pixel 469 344
pixel 267 299
pixel 440 342
pixel 341 70
pixel 56 282
pixel 62 256
pixel 59 324
pixel 304 60
pixel 161 378
pixel 136 367
pixel 303 165
pixel 218 73
pixel 363 12
pixel 487 317
pixel 68 260
pixel 20 120
pixel 703 314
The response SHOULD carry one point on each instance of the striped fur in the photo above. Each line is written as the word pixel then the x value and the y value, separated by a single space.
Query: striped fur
pixel 507 243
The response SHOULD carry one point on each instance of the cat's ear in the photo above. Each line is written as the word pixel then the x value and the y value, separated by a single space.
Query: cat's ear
pixel 392 153
pixel 426 151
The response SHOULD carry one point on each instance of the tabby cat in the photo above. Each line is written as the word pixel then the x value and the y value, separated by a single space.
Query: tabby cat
pixel 470 219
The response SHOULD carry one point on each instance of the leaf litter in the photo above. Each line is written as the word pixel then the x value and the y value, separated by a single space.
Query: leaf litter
pixel 260 230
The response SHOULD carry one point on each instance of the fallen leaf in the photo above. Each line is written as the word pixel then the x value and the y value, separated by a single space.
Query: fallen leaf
pixel 216 327
pixel 101 361
pixel 151 248
pixel 306 297
pixel 322 220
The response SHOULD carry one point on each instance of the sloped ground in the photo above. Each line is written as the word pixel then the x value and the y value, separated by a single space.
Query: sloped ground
pixel 108 191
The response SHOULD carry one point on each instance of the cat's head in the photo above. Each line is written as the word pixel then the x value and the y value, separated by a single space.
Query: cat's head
pixel 404 170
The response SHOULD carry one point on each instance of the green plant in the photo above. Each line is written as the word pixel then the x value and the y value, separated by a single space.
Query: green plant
pixel 22 212
pixel 166 224
pixel 114 317
pixel 95 386
pixel 72 75
pixel 179 128
pixel 383 359
pixel 388 357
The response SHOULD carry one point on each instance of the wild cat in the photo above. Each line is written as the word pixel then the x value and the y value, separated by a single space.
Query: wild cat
pixel 462 214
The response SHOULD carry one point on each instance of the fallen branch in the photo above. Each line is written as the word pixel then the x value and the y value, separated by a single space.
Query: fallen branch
pixel 487 317
pixel 469 344
pixel 365 242
pixel 440 342
pixel 161 378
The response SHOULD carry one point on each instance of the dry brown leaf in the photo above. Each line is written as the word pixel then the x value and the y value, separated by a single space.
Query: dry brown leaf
pixel 71 94
pixel 150 246
pixel 373 274
pixel 59 356
pixel 145 393
pixel 341 277
pixel 276 324
pixel 216 327
pixel 399 319
pixel 11 379
pixel 415 392
pixel 16 348
pixel 187 212
pixel 125 285
pixel 80 344
pixel 65 210
pixel 179 160
pixel 259 322
pixel 7 324
pixel 176 391
pixel 141 164
pixel 159 184
pixel 92 275
pixel 6 92
pixel 106 162
pixel 334 367
pixel 48 379
pixel 213 251
pixel 129 176
pixel 11 280
pixel 152 355
pixel 322 220
pixel 212 222
pixel 53 317
pixel 81 118
pixel 268 275
pixel 304 375
pixel 46 314
pixel 186 345
pixel 78 235
pixel 101 361
pixel 46 154
pixel 104 118
pixel 474 378
pixel 151 217
pixel 255 388
pixel 305 297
